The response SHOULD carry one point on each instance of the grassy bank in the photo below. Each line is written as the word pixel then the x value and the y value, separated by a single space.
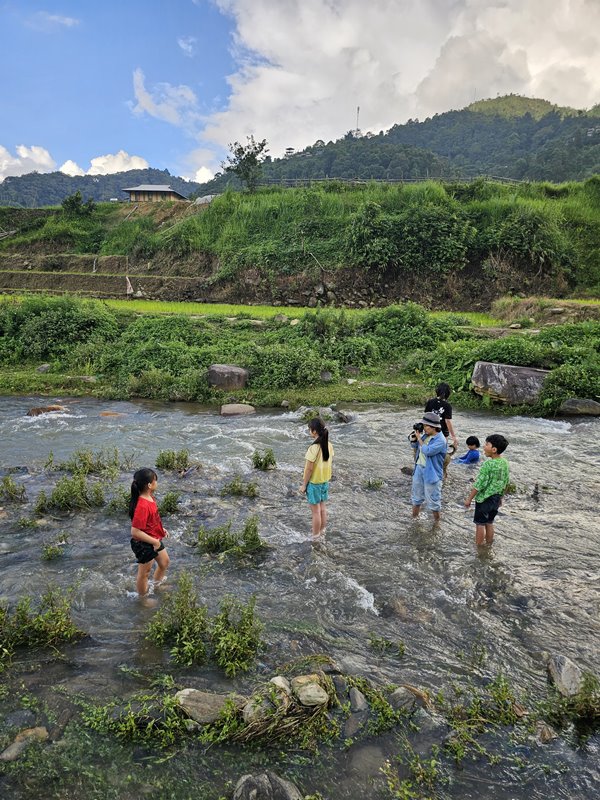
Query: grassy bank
pixel 381 355
pixel 497 237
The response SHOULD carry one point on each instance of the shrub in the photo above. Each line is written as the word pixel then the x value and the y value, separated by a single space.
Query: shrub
pixel 71 494
pixel 265 461
pixel 570 380
pixel 55 549
pixel 222 539
pixel 173 460
pixel 87 462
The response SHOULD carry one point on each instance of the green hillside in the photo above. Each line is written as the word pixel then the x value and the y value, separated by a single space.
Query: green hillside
pixel 514 105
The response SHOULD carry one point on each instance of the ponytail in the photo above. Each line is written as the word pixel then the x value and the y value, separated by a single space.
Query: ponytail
pixel 141 479
pixel 317 424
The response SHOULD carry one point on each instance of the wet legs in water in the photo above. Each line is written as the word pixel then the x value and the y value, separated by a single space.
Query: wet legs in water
pixel 416 510
pixel 143 573
pixel 484 534
pixel 319 518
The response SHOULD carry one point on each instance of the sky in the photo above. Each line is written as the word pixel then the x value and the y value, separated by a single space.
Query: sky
pixel 100 86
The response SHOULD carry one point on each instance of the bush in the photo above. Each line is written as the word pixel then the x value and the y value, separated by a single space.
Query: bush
pixel 88 462
pixel 222 539
pixel 182 623
pixel 235 636
pixel 11 492
pixel 169 503
pixel 238 488
pixel 570 380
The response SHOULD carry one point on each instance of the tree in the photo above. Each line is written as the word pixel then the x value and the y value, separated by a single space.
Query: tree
pixel 245 161
pixel 73 206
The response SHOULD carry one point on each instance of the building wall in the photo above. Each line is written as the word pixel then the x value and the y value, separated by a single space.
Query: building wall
pixel 152 197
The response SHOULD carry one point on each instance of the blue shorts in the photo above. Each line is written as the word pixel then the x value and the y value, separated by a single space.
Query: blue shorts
pixel 317 493
pixel 428 493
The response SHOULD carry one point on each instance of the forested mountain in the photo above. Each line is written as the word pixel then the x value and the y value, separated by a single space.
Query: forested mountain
pixel 51 188
pixel 511 136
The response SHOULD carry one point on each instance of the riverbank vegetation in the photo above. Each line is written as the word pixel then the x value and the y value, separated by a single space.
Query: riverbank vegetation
pixel 91 348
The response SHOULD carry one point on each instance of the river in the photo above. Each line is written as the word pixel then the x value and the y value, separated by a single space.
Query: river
pixel 376 571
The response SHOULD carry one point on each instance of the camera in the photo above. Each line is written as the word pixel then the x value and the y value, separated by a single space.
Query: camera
pixel 418 426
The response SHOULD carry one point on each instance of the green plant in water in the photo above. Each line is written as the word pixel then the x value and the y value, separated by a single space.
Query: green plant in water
pixel 55 549
pixel 582 709
pixel 173 460
pixel 46 625
pixel 222 539
pixel 383 646
pixel 169 503
pixel 238 488
pixel 89 462
pixel 11 492
pixel 182 624
pixel 383 717
pixel 265 461
pixel 425 773
pixel 71 494
pixel 119 502
pixel 235 636
pixel 373 484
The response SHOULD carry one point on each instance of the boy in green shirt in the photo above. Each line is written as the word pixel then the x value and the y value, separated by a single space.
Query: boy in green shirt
pixel 488 489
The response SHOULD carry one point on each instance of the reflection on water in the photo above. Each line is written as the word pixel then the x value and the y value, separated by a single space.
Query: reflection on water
pixel 376 570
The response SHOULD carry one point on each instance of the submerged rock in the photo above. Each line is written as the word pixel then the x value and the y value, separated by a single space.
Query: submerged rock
pixel 266 786
pixel 205 707
pixel 402 699
pixel 358 702
pixel 35 412
pixel 22 742
pixel 565 675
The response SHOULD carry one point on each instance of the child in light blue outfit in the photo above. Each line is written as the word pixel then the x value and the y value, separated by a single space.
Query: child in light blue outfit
pixel 472 455
pixel 430 447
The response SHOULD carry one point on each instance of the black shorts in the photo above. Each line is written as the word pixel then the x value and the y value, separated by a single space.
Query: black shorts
pixel 144 551
pixel 485 512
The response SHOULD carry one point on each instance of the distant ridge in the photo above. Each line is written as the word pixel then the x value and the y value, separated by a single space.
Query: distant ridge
pixel 515 105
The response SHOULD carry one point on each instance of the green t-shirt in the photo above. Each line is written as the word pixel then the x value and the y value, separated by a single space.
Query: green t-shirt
pixel 492 478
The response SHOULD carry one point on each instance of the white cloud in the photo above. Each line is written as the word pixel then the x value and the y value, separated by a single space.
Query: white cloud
pixel 27 159
pixel 174 104
pixel 303 66
pixel 200 165
pixel 188 45
pixel 119 162
pixel 43 21
pixel 71 168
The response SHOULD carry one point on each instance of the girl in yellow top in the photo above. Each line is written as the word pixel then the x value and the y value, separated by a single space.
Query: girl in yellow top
pixel 317 474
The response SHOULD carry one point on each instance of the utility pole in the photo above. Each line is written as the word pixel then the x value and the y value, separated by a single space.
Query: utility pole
pixel 357 113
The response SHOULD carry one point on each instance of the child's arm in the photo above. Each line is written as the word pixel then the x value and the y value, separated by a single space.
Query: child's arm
pixel 451 431
pixel 136 533
pixel 308 471
pixel 469 499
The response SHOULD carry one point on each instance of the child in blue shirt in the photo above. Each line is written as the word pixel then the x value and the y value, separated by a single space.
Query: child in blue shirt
pixel 472 454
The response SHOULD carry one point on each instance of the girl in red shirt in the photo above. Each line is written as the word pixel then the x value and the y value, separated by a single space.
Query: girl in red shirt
pixel 147 530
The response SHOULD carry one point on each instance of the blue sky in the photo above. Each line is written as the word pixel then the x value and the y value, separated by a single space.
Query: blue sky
pixel 105 86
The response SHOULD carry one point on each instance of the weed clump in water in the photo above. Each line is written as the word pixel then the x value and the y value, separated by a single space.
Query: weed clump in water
pixel 264 461
pixel 71 494
pixel 26 627
pixel 223 540
pixel 169 503
pixel 173 460
pixel 55 549
pixel 238 488
pixel 11 492
pixel 89 462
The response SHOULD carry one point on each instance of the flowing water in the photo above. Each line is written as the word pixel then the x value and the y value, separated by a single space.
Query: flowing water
pixel 375 572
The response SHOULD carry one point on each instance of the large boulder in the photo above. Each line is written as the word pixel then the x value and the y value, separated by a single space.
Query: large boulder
pixel 236 409
pixel 577 406
pixel 227 376
pixel 508 384
pixel 266 786
pixel 205 707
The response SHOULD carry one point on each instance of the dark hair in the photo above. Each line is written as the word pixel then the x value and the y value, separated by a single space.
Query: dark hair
pixel 498 441
pixel 472 440
pixel 443 391
pixel 141 479
pixel 317 424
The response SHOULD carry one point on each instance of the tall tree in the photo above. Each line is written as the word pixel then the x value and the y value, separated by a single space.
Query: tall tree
pixel 245 161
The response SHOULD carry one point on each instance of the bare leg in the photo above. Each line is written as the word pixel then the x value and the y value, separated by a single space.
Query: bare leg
pixel 141 582
pixel 323 508
pixel 480 534
pixel 489 533
pixel 162 564
pixel 315 510
pixel 436 517
pixel 415 511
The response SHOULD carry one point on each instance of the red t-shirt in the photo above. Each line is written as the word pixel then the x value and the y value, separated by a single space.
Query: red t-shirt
pixel 146 518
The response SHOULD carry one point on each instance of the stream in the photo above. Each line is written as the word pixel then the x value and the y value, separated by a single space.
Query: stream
pixel 375 572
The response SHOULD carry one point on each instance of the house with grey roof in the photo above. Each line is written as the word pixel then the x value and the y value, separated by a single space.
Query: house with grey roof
pixel 148 193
